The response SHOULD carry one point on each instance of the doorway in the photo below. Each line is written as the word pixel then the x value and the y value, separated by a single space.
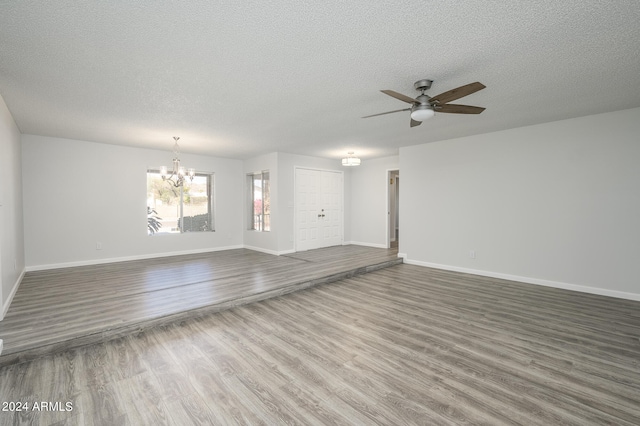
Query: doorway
pixel 393 208
pixel 318 201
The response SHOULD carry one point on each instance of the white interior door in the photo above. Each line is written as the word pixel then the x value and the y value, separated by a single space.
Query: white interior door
pixel 330 223
pixel 318 208
pixel 307 207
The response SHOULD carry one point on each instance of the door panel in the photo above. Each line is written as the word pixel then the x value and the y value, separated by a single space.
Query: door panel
pixel 331 222
pixel 318 208
pixel 307 186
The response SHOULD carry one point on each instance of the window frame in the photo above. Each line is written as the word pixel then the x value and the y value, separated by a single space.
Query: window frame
pixel 264 223
pixel 210 202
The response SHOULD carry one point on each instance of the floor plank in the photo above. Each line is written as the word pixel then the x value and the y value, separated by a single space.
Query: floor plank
pixel 59 309
pixel 400 345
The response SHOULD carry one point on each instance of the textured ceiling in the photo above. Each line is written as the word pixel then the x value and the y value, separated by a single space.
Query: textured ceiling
pixel 238 79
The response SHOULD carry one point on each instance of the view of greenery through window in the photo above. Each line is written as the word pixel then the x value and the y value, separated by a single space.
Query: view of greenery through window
pixel 184 209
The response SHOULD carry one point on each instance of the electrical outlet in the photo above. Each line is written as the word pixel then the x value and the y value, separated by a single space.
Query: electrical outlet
pixel 472 254
pixel 99 245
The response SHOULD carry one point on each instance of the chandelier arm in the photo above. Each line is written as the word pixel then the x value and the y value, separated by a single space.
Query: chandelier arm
pixel 177 183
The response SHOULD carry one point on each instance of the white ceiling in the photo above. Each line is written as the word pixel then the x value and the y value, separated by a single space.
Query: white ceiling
pixel 238 79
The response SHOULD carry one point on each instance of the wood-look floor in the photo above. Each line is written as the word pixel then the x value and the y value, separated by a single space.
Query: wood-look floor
pixel 400 345
pixel 59 309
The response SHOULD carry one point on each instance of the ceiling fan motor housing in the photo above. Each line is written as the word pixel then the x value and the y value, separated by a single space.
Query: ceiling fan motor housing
pixel 423 99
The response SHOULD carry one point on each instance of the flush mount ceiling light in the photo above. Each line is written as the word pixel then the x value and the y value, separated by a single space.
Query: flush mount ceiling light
pixel 178 173
pixel 350 160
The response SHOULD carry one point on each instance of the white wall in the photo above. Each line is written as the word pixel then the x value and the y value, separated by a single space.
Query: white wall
pixel 12 261
pixel 369 189
pixel 78 193
pixel 257 240
pixel 286 172
pixel 554 204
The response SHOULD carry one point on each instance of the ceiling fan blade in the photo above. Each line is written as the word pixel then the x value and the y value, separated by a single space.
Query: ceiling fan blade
pixel 458 109
pixel 457 93
pixel 400 96
pixel 415 123
pixel 388 112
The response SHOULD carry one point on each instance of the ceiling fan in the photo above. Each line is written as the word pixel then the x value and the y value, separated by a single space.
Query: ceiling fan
pixel 424 106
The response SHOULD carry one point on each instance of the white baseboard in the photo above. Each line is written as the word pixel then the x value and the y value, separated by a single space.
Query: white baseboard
pixel 528 280
pixel 358 243
pixel 127 258
pixel 267 251
pixel 5 306
pixel 261 250
pixel 280 253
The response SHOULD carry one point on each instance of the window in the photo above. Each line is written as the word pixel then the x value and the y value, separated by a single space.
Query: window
pixel 172 210
pixel 259 207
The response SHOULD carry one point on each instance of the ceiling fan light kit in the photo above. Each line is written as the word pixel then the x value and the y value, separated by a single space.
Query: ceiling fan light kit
pixel 424 107
pixel 422 112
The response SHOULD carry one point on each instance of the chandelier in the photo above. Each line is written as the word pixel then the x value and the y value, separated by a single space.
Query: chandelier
pixel 178 173
pixel 350 160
